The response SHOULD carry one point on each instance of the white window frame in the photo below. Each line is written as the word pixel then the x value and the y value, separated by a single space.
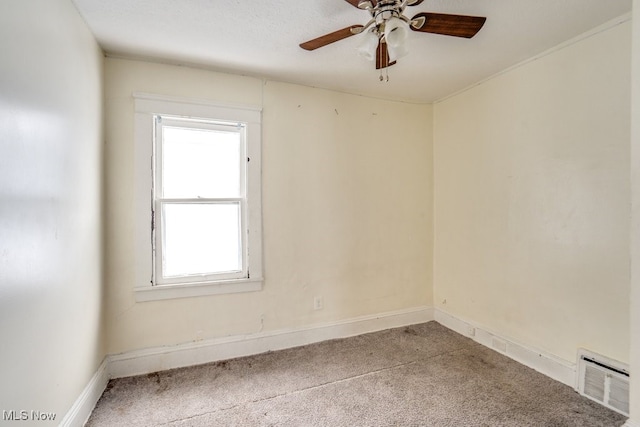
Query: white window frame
pixel 159 201
pixel 147 108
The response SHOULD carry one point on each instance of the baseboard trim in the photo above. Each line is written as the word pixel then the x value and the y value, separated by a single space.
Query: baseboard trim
pixel 630 423
pixel 545 363
pixel 150 360
pixel 81 409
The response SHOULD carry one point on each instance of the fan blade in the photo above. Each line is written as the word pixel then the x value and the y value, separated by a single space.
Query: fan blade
pixel 356 2
pixel 449 25
pixel 331 37
pixel 382 56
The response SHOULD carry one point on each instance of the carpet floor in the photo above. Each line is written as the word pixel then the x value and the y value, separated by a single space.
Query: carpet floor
pixel 422 375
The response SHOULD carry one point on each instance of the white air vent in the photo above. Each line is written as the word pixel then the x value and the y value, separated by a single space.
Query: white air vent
pixel 604 380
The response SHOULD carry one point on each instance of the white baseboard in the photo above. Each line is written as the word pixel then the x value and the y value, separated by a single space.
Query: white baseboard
pixel 145 361
pixel 150 360
pixel 545 363
pixel 631 423
pixel 84 404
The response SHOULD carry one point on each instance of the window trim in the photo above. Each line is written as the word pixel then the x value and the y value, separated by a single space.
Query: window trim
pixel 146 107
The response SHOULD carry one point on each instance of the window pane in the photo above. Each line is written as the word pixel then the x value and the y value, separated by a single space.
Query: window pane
pixel 200 163
pixel 201 239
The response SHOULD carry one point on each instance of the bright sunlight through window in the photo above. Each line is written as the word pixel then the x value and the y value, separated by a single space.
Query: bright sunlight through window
pixel 199 200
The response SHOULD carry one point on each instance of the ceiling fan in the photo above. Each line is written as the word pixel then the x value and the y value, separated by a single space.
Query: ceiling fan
pixel 387 30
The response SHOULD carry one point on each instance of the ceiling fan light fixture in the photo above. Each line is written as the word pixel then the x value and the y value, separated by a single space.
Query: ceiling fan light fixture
pixel 396 32
pixel 397 52
pixel 367 48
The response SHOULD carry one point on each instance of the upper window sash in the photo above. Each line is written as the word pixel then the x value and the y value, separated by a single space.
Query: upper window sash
pixel 163 122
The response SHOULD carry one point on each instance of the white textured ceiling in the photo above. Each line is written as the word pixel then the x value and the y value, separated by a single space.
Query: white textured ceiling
pixel 261 38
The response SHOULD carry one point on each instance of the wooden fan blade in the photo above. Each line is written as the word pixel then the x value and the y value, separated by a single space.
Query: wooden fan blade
pixel 449 25
pixel 382 56
pixel 330 38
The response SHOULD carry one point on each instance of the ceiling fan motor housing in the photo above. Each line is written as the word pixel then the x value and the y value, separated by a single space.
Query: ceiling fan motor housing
pixel 384 10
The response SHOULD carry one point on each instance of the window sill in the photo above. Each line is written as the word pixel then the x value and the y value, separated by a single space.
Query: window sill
pixel 163 292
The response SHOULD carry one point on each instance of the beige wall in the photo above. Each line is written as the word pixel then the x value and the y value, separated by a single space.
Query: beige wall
pixel 50 207
pixel 347 208
pixel 635 220
pixel 531 190
pixel 532 200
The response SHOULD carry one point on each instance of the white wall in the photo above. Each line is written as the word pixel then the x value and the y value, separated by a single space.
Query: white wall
pixel 635 220
pixel 532 200
pixel 347 208
pixel 50 206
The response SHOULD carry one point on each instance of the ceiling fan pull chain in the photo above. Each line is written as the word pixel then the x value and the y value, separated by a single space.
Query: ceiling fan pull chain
pixel 385 77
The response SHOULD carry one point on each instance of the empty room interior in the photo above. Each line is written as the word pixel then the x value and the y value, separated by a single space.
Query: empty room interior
pixel 481 188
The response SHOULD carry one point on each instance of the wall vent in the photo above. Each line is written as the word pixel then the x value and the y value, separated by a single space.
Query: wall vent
pixel 604 380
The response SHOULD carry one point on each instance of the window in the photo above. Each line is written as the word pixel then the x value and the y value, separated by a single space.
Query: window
pixel 199 229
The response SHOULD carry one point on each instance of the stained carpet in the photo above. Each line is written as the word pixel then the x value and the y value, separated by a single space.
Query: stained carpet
pixel 422 375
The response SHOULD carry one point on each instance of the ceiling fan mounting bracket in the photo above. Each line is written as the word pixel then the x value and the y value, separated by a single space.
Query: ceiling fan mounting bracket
pixel 417 22
pixel 361 29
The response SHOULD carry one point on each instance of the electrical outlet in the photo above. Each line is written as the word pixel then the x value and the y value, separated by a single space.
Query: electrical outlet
pixel 471 331
pixel 318 304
